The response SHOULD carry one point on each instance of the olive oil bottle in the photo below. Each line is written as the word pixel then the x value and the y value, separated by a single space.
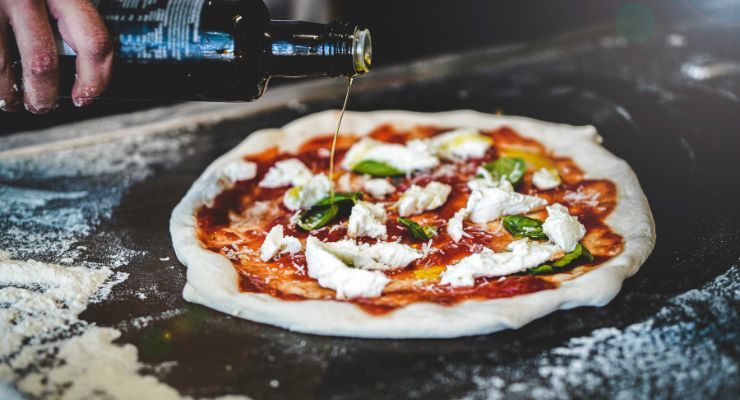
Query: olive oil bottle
pixel 216 50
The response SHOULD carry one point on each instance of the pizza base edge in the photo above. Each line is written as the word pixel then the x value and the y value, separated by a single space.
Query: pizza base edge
pixel 211 278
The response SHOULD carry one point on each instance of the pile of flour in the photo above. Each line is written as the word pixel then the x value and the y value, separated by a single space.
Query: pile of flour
pixel 40 327
pixel 50 202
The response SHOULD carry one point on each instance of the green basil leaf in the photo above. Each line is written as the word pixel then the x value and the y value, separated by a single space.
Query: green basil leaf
pixel 569 257
pixel 340 197
pixel 376 168
pixel 317 217
pixel 586 256
pixel 520 227
pixel 541 269
pixel 510 168
pixel 327 209
pixel 416 230
pixel 580 253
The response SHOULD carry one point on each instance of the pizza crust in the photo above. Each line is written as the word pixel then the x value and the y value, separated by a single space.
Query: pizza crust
pixel 212 280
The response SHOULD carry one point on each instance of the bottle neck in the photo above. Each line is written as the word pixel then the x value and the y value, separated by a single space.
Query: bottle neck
pixel 303 49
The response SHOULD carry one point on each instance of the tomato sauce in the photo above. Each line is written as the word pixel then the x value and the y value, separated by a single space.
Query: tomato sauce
pixel 237 221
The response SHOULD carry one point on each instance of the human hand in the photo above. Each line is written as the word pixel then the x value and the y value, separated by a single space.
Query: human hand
pixel 81 28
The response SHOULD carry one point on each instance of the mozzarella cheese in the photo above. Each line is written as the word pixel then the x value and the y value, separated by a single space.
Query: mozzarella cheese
pixel 356 153
pixel 239 170
pixel 417 199
pixel 303 197
pixel 460 144
pixel 344 183
pixel 331 272
pixel 521 255
pixel 486 183
pixel 378 188
pixel 271 245
pixel 275 241
pixel 381 256
pixel 562 228
pixel 483 174
pixel 367 219
pixel 290 244
pixel 455 225
pixel 405 158
pixel 546 178
pixel 290 172
pixel 490 203
pixel 390 255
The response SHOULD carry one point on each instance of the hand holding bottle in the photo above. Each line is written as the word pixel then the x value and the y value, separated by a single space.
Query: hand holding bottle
pixel 81 28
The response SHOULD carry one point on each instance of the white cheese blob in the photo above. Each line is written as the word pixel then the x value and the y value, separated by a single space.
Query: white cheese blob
pixel 347 251
pixel 332 273
pixel 417 199
pixel 356 153
pixel 483 174
pixel 460 144
pixel 367 219
pixel 390 255
pixel 381 256
pixel 304 197
pixel 290 172
pixel 455 225
pixel 521 255
pixel 546 178
pixel 484 183
pixel 378 188
pixel 562 228
pixel 401 157
pixel 491 203
pixel 275 242
pixel 271 245
pixel 239 170
pixel 344 183
pixel 290 244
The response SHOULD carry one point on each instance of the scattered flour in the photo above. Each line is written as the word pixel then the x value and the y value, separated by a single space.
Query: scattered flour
pixel 50 202
pixel 632 362
pixel 142 322
pixel 33 198
pixel 40 300
pixel 40 331
pixel 90 364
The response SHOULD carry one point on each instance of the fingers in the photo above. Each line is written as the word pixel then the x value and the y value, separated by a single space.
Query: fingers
pixel 39 61
pixel 10 99
pixel 82 29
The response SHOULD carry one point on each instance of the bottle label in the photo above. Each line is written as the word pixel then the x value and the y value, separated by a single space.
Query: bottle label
pixel 159 30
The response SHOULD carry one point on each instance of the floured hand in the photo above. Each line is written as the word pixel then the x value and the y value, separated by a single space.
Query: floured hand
pixel 81 28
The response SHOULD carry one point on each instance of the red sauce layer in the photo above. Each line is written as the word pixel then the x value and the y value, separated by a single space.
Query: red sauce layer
pixel 237 221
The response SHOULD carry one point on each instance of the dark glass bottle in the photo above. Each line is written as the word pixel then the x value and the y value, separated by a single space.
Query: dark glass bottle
pixel 219 50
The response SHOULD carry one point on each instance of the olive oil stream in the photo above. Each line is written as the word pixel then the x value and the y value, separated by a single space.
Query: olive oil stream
pixel 334 140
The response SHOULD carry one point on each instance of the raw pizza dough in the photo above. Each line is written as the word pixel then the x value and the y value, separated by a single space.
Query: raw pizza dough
pixel 212 280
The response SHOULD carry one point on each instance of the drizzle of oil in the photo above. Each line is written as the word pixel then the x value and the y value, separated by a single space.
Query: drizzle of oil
pixel 334 140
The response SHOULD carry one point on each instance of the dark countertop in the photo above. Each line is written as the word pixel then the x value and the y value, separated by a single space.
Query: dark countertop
pixel 668 106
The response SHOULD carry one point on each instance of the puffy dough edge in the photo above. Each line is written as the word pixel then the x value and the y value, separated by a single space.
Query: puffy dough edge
pixel 211 278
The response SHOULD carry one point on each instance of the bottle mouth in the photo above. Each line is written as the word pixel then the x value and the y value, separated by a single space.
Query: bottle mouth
pixel 362 51
pixel 301 49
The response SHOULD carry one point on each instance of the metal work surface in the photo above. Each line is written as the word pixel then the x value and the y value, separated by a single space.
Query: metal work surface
pixel 104 191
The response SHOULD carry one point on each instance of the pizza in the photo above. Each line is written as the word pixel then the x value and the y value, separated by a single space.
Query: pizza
pixel 432 225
